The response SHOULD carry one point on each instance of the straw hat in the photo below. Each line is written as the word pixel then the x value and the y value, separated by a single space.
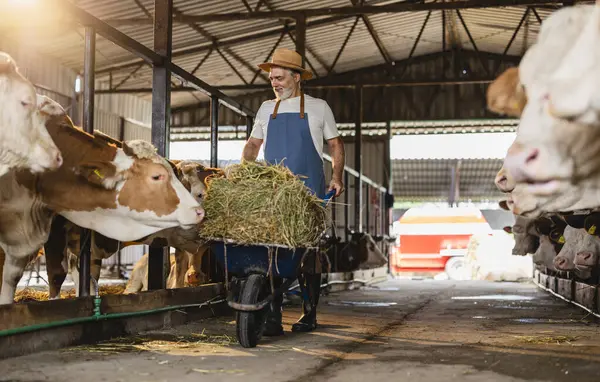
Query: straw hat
pixel 287 58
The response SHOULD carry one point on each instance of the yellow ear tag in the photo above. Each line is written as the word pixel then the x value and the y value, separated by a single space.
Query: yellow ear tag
pixel 561 239
pixel 98 173
pixel 592 229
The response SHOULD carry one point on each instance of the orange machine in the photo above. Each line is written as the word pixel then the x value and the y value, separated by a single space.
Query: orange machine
pixel 434 240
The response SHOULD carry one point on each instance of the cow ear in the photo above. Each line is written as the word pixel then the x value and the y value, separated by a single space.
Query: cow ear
pixel 504 205
pixel 506 95
pixel 507 229
pixel 556 236
pixel 592 223
pixel 103 174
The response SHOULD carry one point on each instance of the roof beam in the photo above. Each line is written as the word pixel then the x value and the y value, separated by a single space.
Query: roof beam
pixel 308 85
pixel 341 11
pixel 148 55
pixel 234 41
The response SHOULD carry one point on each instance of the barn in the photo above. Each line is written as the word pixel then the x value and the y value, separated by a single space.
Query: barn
pixel 461 244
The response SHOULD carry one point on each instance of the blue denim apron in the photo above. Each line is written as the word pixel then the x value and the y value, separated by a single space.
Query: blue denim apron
pixel 289 140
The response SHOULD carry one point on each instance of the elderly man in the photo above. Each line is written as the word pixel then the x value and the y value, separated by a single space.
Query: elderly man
pixel 293 127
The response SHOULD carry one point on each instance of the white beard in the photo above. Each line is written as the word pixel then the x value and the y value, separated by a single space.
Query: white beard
pixel 287 93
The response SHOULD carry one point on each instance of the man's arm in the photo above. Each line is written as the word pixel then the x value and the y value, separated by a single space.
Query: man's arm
pixel 251 149
pixel 338 157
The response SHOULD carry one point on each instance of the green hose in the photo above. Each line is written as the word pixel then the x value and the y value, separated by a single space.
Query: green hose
pixel 97 316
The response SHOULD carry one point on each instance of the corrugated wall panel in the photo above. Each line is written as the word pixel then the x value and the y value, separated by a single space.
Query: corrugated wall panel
pixel 137 131
pixel 107 123
pixel 129 255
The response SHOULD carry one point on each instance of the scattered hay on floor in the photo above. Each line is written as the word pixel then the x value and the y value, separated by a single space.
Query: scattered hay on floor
pixel 546 339
pixel 31 294
pixel 155 342
pixel 260 204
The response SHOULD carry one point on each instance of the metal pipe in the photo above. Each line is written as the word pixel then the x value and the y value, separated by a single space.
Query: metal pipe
pixel 301 37
pixel 358 157
pixel 346 206
pixel 89 63
pixel 308 85
pixel 158 257
pixel 367 209
pixel 214 131
pixel 404 6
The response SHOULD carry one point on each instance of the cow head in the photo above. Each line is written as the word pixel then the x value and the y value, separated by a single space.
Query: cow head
pixel 526 237
pixel 554 158
pixel 194 176
pixel 123 193
pixel 24 140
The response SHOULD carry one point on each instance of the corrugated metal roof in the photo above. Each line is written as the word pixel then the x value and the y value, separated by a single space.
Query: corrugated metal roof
pixel 430 179
pixel 491 29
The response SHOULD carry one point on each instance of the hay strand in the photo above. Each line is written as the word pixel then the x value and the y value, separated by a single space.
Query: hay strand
pixel 258 203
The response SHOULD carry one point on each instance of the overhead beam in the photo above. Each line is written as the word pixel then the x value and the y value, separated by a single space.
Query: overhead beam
pixel 339 11
pixel 149 56
pixel 308 85
pixel 277 31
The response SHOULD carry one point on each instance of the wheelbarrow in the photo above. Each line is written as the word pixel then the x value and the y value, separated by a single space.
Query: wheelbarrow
pixel 254 271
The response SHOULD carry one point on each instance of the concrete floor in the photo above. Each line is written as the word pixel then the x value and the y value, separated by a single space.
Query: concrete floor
pixel 400 331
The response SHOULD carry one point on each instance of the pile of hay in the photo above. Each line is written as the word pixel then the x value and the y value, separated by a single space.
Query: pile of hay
pixel 31 294
pixel 258 203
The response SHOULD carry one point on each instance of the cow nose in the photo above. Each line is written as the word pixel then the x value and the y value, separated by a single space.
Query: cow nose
pixel 501 180
pixel 561 262
pixel 584 255
pixel 193 278
pixel 522 163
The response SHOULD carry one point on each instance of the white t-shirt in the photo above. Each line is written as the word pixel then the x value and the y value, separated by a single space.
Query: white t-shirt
pixel 320 119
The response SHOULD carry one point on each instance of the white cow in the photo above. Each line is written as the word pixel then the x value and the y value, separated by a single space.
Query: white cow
pixel 24 140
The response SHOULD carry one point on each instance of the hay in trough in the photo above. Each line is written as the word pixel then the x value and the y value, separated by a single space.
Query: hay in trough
pixel 256 203
pixel 31 294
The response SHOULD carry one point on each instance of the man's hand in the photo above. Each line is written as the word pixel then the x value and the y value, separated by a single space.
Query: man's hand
pixel 336 185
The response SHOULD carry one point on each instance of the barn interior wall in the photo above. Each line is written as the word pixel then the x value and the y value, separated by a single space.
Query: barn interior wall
pixel 385 103
pixel 58 82
pixel 374 167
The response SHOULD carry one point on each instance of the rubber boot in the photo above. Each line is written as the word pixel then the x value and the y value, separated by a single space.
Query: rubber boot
pixel 273 325
pixel 310 285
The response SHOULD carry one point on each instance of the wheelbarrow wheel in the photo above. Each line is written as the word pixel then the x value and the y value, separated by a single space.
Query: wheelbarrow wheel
pixel 250 325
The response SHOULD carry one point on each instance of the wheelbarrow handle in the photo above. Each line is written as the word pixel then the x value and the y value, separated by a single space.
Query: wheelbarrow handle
pixel 328 198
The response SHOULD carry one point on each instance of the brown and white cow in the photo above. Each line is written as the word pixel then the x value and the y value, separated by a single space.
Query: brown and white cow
pixel 193 176
pixel 24 140
pixel 123 193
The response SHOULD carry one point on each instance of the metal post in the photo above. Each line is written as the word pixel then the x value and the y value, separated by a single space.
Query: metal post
pixel 301 37
pixel 122 129
pixel 158 257
pixel 214 131
pixel 346 206
pixel 358 157
pixel 249 124
pixel 387 181
pixel 89 63
pixel 368 209
pixel 377 219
